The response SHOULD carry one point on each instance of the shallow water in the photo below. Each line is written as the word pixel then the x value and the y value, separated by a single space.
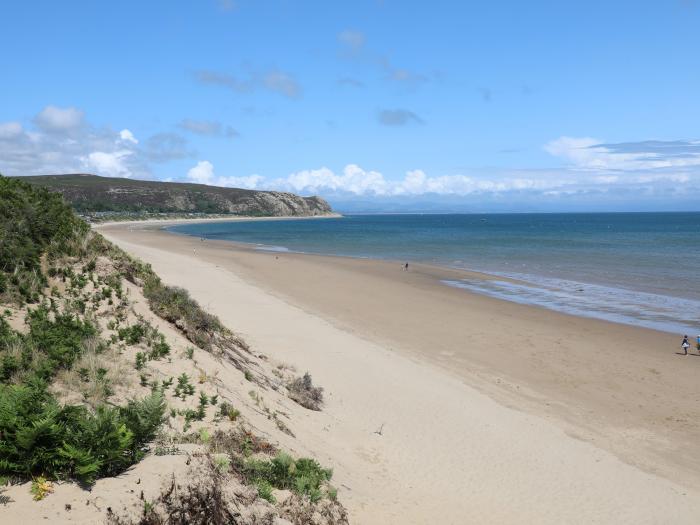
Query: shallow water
pixel 635 268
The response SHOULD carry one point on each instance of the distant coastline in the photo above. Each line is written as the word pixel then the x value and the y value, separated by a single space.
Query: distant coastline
pixel 174 219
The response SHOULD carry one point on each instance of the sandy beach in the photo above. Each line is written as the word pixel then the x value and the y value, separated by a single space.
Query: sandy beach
pixel 451 407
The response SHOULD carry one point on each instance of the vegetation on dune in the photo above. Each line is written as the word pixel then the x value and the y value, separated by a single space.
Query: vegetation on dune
pixel 303 476
pixel 38 435
pixel 33 223
pixel 42 437
pixel 67 283
pixel 176 306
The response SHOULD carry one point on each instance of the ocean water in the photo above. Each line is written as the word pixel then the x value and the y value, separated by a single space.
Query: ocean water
pixel 636 268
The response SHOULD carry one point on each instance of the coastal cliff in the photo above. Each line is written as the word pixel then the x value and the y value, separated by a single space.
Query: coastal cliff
pixel 89 194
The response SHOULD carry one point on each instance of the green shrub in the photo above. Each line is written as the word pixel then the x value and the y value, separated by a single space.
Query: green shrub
pixel 41 437
pixel 33 222
pixel 226 410
pixel 265 490
pixel 53 342
pixel 159 349
pixel 140 360
pixel 303 476
pixel 202 407
pixel 183 388
pixel 132 335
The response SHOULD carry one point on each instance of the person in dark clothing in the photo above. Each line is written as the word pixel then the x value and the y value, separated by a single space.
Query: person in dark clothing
pixel 685 345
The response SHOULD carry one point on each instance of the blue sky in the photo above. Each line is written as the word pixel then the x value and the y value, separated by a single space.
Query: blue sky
pixel 373 104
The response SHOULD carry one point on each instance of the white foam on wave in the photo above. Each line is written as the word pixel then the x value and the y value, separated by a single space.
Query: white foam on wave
pixel 265 248
pixel 660 312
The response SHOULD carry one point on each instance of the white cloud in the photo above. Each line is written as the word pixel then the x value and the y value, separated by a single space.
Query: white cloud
pixel 250 182
pixel 591 154
pixel 358 182
pixel 54 119
pixel 10 130
pixel 355 182
pixel 202 173
pixel 112 164
pixel 62 141
pixel 128 136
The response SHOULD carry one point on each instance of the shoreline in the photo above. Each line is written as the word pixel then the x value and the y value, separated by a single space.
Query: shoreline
pixel 618 389
pixel 163 223
pixel 501 288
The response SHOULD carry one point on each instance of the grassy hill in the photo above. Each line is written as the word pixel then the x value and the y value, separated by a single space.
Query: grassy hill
pixel 90 194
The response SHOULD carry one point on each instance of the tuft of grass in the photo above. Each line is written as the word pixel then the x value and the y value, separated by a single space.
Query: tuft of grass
pixel 226 410
pixel 204 436
pixel 332 493
pixel 222 464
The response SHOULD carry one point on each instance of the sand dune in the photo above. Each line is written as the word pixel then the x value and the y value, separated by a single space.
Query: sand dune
pixel 447 407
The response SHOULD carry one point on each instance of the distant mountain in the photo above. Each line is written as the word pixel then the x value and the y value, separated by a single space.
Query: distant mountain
pixel 92 194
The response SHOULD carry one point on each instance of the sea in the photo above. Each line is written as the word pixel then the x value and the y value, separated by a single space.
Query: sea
pixel 641 269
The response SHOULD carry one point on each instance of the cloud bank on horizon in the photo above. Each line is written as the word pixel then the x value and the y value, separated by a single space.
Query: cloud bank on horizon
pixel 479 110
pixel 62 141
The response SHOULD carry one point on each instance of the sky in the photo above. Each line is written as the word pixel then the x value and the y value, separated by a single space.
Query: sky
pixel 376 105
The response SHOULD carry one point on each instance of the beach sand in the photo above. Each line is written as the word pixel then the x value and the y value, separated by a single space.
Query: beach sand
pixel 450 407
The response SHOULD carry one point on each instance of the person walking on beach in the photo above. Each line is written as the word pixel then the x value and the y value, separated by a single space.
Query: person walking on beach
pixel 405 267
pixel 685 344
